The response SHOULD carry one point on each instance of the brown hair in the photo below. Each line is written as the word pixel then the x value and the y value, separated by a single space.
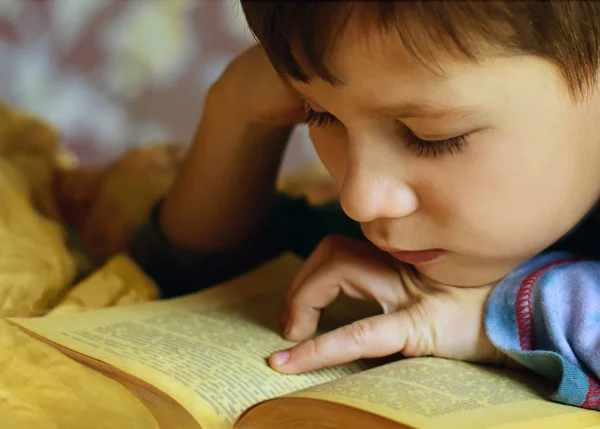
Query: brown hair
pixel 567 33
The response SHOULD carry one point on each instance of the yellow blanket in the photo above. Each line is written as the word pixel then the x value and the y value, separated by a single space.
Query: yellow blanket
pixel 40 387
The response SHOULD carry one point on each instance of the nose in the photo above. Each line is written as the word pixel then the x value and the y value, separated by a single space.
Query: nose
pixel 373 189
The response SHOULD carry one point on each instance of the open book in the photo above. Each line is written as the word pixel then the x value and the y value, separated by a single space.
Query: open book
pixel 200 362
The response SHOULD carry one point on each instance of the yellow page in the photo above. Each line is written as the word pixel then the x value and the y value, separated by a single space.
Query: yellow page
pixel 433 393
pixel 207 351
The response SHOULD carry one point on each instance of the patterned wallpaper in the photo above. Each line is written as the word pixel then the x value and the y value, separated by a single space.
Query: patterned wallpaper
pixel 113 74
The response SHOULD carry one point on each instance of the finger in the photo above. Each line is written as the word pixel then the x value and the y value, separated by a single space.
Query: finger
pixel 304 314
pixel 317 258
pixel 376 336
pixel 316 263
pixel 79 186
pixel 328 247
pixel 358 276
pixel 312 263
pixel 318 290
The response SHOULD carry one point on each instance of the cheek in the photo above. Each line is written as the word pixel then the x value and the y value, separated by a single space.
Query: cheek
pixel 330 145
pixel 518 193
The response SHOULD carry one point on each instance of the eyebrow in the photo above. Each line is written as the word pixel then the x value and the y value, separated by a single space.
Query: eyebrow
pixel 416 110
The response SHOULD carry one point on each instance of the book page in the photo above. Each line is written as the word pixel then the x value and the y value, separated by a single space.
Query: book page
pixel 428 393
pixel 207 351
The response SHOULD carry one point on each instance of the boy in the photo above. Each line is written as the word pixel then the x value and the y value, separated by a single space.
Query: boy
pixel 465 143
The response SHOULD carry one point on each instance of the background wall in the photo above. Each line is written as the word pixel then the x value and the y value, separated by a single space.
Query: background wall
pixel 113 74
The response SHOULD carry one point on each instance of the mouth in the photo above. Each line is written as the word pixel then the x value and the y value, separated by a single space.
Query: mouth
pixel 415 257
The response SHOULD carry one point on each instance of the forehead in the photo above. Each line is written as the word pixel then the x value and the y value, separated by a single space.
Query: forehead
pixel 411 44
pixel 364 51
pixel 372 64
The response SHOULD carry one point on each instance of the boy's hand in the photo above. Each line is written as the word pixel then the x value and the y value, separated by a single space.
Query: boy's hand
pixel 255 93
pixel 421 317
pixel 106 205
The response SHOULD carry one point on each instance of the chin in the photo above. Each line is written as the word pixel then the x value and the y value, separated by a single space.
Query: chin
pixel 464 274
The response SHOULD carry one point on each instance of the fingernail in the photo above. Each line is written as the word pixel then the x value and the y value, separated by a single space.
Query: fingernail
pixel 385 307
pixel 281 357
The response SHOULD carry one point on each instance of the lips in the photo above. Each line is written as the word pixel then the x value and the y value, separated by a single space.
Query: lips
pixel 418 257
pixel 414 257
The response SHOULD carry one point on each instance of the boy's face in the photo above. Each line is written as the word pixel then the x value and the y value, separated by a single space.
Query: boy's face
pixel 525 172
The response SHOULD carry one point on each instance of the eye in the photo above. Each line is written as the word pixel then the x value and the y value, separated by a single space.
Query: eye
pixel 319 119
pixel 435 148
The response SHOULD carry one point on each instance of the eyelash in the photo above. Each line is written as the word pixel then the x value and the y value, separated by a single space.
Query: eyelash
pixel 436 148
pixel 430 148
pixel 318 119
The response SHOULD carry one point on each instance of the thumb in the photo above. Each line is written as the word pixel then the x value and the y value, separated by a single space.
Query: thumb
pixel 376 336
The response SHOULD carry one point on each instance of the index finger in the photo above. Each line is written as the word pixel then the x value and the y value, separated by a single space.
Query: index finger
pixel 376 336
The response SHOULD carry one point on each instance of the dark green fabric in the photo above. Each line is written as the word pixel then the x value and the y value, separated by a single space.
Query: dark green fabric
pixel 584 238
pixel 295 226
pixel 304 226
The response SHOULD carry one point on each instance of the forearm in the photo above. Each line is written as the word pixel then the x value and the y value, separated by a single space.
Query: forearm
pixel 226 189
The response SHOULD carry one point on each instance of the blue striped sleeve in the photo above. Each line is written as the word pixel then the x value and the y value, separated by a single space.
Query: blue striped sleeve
pixel 546 315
